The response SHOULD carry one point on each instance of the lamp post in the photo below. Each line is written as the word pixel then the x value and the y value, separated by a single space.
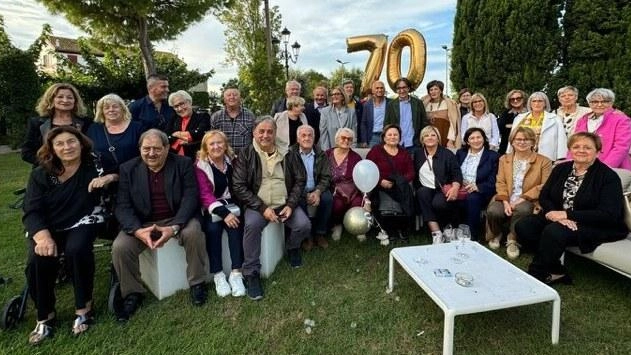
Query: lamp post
pixel 447 49
pixel 295 50
pixel 342 64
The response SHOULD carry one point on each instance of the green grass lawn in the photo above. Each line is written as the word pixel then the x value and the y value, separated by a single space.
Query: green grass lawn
pixel 342 289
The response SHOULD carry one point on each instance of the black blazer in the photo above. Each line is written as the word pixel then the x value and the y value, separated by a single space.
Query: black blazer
pixel 37 129
pixel 486 174
pixel 133 207
pixel 444 165
pixel 197 127
pixel 313 119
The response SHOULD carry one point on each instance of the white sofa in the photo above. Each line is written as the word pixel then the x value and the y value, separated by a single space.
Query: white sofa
pixel 615 255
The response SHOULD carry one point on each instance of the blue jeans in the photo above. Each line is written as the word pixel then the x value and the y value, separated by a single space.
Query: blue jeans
pixel 320 223
pixel 214 231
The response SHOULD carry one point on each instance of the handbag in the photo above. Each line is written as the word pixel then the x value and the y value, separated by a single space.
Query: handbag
pixel 462 191
pixel 388 206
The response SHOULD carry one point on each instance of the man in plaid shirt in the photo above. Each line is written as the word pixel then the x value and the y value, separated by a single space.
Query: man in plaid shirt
pixel 234 120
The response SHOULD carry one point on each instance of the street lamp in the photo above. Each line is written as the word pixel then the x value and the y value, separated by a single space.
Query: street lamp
pixel 342 64
pixel 447 49
pixel 295 50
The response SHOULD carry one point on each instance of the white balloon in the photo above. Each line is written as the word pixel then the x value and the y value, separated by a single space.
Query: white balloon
pixel 366 175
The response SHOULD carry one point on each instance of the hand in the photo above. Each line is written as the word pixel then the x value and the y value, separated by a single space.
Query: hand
pixel 144 234
pixel 568 223
pixel 166 234
pixel 471 187
pixel 508 208
pixel 231 221
pixel 100 182
pixel 517 202
pixel 44 243
pixel 285 213
pixel 270 215
pixel 452 194
pixel 386 184
pixel 451 144
pixel 313 198
pixel 555 216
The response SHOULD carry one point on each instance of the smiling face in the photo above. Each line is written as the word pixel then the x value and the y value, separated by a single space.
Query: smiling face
pixel 153 153
pixel 319 96
pixel 599 105
pixel 583 151
pixel 378 89
pixel 159 90
pixel 337 98
pixel 434 92
pixel 430 139
pixel 64 100
pixel 182 107
pixel 477 106
pixel 344 140
pixel 391 137
pixel 521 143
pixel 112 112
pixel 349 89
pixel 516 100
pixel 292 90
pixel 465 98
pixel 232 98
pixel 264 135
pixel 67 147
pixel 403 90
pixel 475 141
pixel 216 147
pixel 305 139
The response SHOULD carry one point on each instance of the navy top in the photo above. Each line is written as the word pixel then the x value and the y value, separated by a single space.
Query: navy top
pixel 144 111
pixel 125 145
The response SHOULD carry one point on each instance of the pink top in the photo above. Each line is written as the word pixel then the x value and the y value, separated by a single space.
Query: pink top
pixel 615 134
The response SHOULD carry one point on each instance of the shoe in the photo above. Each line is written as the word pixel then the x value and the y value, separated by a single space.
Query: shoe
pixel 131 303
pixel 307 244
pixel 512 249
pixel 82 323
pixel 199 294
pixel 236 284
pixel 337 232
pixel 565 279
pixel 437 237
pixel 221 285
pixel 322 242
pixel 403 238
pixel 494 243
pixel 361 238
pixel 254 288
pixel 44 329
pixel 295 259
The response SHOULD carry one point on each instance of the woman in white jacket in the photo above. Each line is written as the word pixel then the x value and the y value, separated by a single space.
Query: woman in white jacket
pixel 551 140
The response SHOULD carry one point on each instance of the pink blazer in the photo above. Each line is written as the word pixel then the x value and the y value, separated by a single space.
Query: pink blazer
pixel 615 134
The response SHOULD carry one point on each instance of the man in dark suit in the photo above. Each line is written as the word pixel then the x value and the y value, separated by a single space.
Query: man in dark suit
pixel 157 201
pixel 406 111
pixel 292 88
pixel 374 113
pixel 312 110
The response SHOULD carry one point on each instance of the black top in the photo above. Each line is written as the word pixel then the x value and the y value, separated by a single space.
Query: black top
pixel 505 119
pixel 37 129
pixel 55 205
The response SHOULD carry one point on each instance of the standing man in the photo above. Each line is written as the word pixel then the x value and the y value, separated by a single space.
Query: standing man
pixel 353 103
pixel 234 120
pixel 374 114
pixel 312 110
pixel 268 185
pixel 292 88
pixel 407 112
pixel 157 201
pixel 317 195
pixel 153 110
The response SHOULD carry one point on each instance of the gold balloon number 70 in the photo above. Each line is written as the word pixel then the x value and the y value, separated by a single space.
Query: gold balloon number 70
pixel 377 45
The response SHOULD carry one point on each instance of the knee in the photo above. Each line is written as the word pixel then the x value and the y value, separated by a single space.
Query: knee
pixel 326 198
pixel 554 232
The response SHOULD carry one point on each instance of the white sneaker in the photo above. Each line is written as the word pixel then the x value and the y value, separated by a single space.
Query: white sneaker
pixel 512 249
pixel 337 232
pixel 236 283
pixel 361 237
pixel 437 237
pixel 495 243
pixel 221 285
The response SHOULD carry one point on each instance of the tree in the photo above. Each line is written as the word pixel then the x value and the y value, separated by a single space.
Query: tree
pixel 521 52
pixel 245 46
pixel 309 80
pixel 354 74
pixel 139 21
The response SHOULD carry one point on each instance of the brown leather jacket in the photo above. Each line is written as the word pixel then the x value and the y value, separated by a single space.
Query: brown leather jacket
pixel 539 169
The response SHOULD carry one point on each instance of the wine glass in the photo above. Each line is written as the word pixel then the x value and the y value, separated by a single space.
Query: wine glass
pixel 464 236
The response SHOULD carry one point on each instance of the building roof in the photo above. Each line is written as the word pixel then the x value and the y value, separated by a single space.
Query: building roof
pixel 69 45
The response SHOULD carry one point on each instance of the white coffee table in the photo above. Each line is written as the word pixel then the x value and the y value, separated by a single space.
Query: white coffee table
pixel 497 283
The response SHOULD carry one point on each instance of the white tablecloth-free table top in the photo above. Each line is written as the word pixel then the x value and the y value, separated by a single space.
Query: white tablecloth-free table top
pixel 497 283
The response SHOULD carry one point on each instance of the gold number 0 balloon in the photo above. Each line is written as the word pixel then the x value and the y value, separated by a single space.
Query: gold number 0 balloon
pixel 377 45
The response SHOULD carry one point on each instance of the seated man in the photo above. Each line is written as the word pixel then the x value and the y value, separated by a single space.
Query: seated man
pixel 157 201
pixel 317 194
pixel 268 184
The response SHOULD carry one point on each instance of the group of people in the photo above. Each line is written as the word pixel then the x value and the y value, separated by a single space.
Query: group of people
pixel 168 172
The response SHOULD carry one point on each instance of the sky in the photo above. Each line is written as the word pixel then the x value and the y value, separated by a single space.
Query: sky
pixel 321 27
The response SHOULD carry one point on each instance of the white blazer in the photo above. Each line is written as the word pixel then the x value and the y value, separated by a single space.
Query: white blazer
pixel 552 140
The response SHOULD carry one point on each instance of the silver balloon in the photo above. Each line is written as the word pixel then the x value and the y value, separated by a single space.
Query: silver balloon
pixel 357 221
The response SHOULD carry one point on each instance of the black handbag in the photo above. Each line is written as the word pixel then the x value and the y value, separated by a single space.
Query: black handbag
pixel 388 206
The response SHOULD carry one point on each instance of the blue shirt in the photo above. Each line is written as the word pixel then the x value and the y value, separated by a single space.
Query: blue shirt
pixel 308 160
pixel 407 126
pixel 378 114
pixel 144 111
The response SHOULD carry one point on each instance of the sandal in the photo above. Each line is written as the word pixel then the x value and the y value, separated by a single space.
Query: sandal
pixel 43 330
pixel 82 323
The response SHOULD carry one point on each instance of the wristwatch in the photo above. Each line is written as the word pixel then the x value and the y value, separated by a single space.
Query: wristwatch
pixel 176 229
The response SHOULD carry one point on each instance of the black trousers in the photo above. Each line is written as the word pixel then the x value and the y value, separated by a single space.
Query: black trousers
pixel 41 271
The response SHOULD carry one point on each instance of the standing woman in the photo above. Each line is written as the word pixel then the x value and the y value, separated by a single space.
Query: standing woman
pixel 288 121
pixel 213 170
pixel 436 166
pixel 186 130
pixel 550 135
pixel 520 176
pixel 60 105
pixel 478 164
pixel 464 101
pixel 569 111
pixel 514 104
pixel 443 114
pixel 59 216
pixel 335 116
pixel 482 118
pixel 581 205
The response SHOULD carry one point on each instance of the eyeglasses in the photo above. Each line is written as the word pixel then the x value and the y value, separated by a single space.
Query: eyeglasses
pixel 401 87
pixel 336 94
pixel 599 102
pixel 179 105
pixel 536 100
pixel 521 140
pixel 516 98
pixel 346 138
pixel 476 101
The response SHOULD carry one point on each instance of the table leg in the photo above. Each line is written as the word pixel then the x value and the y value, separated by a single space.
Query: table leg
pixel 391 272
pixel 448 334
pixel 556 320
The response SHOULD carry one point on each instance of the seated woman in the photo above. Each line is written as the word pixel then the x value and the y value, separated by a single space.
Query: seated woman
pixel 611 125
pixel 213 170
pixel 288 121
pixel 59 216
pixel 342 160
pixel 396 173
pixel 581 204
pixel 60 105
pixel 479 167
pixel 520 176
pixel 187 128
pixel 436 167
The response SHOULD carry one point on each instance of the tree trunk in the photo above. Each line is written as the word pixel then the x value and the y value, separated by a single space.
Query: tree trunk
pixel 148 63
